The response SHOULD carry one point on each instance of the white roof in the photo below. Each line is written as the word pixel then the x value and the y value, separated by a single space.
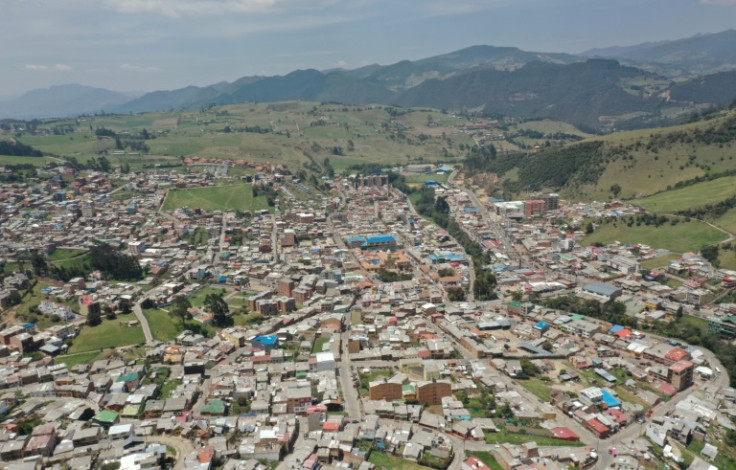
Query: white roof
pixel 121 428
pixel 325 356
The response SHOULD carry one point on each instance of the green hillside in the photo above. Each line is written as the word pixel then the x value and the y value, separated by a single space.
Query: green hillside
pixel 297 134
pixel 689 197
pixel 680 238
pixel 627 164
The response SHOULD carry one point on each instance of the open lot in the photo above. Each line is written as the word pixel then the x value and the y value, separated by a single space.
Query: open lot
pixel 75 359
pixel 164 327
pixel 108 334
pixel 518 438
pixel 389 462
pixel 680 238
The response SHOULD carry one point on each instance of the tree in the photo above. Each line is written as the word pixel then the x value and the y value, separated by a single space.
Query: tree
pixel 94 318
pixel 14 298
pixel 528 368
pixel 456 294
pixel 181 308
pixel 710 253
pixel 109 314
pixel 615 189
pixel 441 205
pixel 115 264
pixel 219 308
pixel 485 283
pixel 40 268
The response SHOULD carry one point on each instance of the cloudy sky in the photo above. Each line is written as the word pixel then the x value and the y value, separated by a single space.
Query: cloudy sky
pixel 143 45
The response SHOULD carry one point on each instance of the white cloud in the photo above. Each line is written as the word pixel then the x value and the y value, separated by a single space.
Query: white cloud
pixel 234 29
pixel 139 68
pixel 462 7
pixel 55 67
pixel 177 8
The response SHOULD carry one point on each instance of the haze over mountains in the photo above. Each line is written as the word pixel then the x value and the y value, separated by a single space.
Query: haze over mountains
pixel 653 83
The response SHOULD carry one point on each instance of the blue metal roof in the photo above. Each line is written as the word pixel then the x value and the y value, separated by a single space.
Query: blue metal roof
pixel 615 329
pixel 380 239
pixel 609 399
pixel 266 339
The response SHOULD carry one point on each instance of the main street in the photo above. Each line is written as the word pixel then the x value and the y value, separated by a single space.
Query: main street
pixel 350 396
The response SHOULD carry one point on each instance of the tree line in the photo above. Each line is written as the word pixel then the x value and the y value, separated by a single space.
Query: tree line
pixel 438 210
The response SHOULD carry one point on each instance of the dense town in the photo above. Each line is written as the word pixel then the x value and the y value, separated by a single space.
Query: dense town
pixel 344 329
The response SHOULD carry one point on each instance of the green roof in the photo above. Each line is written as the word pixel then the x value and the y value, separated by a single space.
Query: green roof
pixel 214 407
pixel 106 416
pixel 128 377
pixel 515 304
pixel 578 317
pixel 408 388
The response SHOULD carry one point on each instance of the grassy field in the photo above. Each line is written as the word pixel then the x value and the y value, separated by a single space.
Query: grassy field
pixel 487 458
pixel 689 197
pixel 197 299
pixel 319 344
pixel 297 133
pixel 727 221
pixel 75 359
pixel 659 261
pixel 696 322
pixel 517 438
pixel 108 334
pixel 727 259
pixel 537 387
pixel 68 259
pixel 61 254
pixel 389 462
pixel 419 179
pixel 237 197
pixel 642 170
pixel 680 238
pixel 164 327
pixel 15 160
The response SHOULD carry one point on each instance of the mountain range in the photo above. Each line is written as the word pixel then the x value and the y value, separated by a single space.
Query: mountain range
pixel 702 54
pixel 618 87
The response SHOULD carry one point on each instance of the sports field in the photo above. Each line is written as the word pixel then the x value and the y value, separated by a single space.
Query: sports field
pixel 232 197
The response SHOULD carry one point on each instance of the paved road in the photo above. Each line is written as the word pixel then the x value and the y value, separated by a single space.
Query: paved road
pixel 344 367
pixel 138 311
pixel 275 245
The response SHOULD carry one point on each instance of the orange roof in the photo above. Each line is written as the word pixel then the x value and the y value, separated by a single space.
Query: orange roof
pixel 676 354
pixel 681 366
pixel 622 333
